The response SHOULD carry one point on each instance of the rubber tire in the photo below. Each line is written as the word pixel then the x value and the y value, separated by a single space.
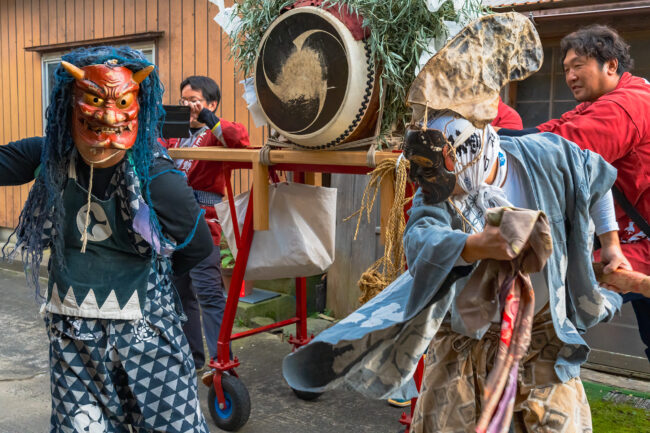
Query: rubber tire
pixel 306 395
pixel 238 404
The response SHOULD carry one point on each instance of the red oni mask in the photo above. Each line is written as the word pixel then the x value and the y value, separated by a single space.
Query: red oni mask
pixel 105 111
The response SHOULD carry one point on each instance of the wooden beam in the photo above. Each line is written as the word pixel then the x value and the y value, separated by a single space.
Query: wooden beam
pixel 315 179
pixel 260 195
pixel 577 9
pixel 311 157
pixel 113 40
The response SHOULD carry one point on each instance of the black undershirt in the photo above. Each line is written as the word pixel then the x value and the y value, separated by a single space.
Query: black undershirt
pixel 172 199
pixel 517 132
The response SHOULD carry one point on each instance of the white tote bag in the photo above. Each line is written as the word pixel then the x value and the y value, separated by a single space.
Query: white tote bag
pixel 300 239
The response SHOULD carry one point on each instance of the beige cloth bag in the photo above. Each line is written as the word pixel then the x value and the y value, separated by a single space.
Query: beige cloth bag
pixel 300 239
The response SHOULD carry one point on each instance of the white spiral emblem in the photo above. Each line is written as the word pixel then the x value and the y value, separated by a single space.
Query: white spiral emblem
pixel 98 228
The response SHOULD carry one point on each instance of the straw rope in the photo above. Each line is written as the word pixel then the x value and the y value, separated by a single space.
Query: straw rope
pixel 84 236
pixel 385 270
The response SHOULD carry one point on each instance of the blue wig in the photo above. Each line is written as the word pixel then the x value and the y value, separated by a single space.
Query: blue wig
pixel 43 213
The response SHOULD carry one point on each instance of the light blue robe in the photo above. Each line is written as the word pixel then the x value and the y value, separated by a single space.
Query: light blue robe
pixel 375 350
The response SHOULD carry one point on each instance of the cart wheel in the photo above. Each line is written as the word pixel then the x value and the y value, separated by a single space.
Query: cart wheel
pixel 238 404
pixel 306 395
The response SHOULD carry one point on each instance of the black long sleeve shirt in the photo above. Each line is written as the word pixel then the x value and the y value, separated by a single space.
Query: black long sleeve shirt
pixel 172 199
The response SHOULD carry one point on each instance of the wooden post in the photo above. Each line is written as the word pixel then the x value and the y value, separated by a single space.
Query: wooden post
pixel 386 197
pixel 315 179
pixel 260 195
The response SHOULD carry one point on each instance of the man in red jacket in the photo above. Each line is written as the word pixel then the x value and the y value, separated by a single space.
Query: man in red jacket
pixel 612 119
pixel 207 180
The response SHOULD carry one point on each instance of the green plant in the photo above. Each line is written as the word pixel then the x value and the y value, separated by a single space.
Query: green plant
pixel 227 259
pixel 400 31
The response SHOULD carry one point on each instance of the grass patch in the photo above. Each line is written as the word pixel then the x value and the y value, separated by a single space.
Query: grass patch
pixel 611 417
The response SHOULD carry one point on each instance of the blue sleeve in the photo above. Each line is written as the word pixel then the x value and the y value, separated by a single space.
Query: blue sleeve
pixel 432 248
pixel 19 160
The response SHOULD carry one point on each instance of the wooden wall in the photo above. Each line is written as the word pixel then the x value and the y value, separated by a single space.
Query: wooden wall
pixel 193 44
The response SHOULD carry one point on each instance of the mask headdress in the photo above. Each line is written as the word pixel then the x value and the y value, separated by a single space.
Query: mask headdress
pixel 42 217
pixel 457 94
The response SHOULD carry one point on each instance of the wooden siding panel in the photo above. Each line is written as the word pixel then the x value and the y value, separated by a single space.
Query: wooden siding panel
pixel 61 22
pixel 108 17
pixel 175 50
pixel 214 48
pixel 140 16
pixel 88 21
pixel 129 17
pixel 21 87
pixel 152 15
pixel 20 84
pixel 188 42
pixel 45 23
pixel 78 18
pixel 4 99
pixel 13 79
pixel 70 22
pixel 214 54
pixel 36 61
pixel 118 17
pixel 163 49
pixel 200 38
pixel 31 62
pixel 227 82
pixel 13 94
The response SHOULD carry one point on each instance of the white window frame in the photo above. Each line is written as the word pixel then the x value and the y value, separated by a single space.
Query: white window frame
pixel 55 58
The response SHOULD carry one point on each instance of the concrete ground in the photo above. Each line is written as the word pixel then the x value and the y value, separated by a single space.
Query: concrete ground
pixel 25 395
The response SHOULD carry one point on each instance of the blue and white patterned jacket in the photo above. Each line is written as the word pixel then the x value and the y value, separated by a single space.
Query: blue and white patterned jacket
pixel 375 350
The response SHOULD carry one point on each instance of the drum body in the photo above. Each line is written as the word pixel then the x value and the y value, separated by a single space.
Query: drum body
pixel 315 83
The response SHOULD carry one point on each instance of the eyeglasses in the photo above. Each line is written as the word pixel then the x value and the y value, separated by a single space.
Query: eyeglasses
pixel 184 101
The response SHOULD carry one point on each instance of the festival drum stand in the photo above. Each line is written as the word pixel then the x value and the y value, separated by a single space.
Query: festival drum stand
pixel 229 401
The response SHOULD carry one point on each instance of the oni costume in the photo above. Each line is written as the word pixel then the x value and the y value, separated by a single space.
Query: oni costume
pixel 207 180
pixel 118 355
pixel 375 350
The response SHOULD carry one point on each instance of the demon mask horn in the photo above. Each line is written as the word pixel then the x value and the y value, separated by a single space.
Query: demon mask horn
pixel 143 73
pixel 76 72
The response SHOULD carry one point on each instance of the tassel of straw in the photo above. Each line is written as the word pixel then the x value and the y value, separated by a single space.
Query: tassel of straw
pixel 385 270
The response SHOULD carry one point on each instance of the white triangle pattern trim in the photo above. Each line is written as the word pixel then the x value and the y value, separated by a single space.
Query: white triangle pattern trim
pixel 89 308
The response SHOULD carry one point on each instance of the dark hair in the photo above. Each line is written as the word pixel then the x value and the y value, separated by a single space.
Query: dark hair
pixel 600 42
pixel 206 85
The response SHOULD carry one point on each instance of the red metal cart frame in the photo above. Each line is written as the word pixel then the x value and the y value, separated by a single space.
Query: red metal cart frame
pixel 299 162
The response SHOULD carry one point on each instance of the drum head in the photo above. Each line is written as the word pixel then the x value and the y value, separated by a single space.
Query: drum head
pixel 306 79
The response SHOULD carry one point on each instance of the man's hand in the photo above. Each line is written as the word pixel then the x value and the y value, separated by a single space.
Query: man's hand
pixel 195 109
pixel 488 244
pixel 612 257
